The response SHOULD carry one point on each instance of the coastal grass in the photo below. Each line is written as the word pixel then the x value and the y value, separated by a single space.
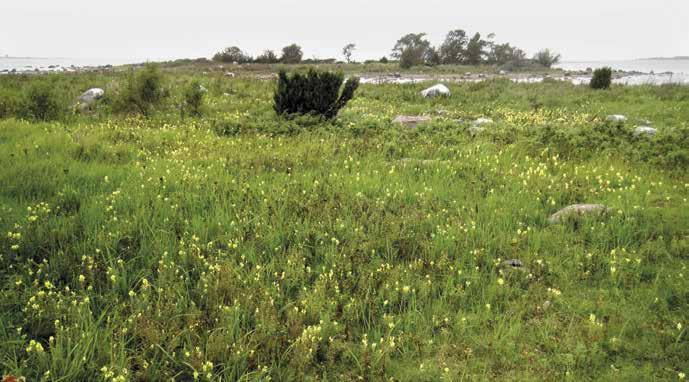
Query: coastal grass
pixel 242 246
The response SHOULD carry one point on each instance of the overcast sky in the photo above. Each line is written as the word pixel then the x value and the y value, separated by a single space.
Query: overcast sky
pixel 165 29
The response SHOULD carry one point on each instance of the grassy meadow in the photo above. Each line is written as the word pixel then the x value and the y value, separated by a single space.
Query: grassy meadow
pixel 242 246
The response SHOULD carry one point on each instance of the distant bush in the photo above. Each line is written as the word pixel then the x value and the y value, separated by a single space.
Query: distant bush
pixel 41 102
pixel 601 79
pixel 315 93
pixel 232 54
pixel 383 60
pixel 267 57
pixel 193 99
pixel 142 92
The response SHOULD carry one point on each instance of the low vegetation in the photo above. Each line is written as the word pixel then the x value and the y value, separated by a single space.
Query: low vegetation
pixel 244 246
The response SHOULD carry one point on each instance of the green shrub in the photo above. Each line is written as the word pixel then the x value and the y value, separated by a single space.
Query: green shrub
pixel 601 79
pixel 41 102
pixel 193 99
pixel 142 92
pixel 8 104
pixel 315 93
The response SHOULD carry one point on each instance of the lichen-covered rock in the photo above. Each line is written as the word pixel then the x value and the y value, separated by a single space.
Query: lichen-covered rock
pixel 578 210
pixel 438 90
pixel 411 121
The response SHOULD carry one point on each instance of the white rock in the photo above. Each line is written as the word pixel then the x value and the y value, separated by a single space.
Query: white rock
pixel 229 74
pixel 502 72
pixel 410 120
pixel 436 90
pixel 90 96
pixel 617 118
pixel 645 130
pixel 483 121
pixel 577 210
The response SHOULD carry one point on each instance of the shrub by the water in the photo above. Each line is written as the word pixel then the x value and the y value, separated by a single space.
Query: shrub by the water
pixel 143 91
pixel 41 102
pixel 193 99
pixel 316 93
pixel 601 79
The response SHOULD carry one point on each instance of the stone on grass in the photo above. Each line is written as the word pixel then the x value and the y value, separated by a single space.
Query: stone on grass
pixel 436 91
pixel 513 265
pixel 92 95
pixel 229 74
pixel 578 210
pixel 616 118
pixel 644 130
pixel 411 120
pixel 483 121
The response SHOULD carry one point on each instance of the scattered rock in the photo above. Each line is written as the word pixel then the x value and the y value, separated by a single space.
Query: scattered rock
pixel 616 118
pixel 435 91
pixel 229 74
pixel 502 72
pixel 92 95
pixel 577 210
pixel 483 121
pixel 411 120
pixel 645 130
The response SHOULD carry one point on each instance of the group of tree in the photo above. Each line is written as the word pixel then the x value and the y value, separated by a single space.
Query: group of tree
pixel 413 49
pixel 291 54
pixel 459 48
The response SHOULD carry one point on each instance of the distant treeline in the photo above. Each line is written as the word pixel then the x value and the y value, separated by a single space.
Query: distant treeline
pixel 413 49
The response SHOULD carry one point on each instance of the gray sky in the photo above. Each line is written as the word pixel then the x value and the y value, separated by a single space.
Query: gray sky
pixel 159 29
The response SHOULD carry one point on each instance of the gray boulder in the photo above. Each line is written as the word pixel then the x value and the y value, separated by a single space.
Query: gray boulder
pixel 91 96
pixel 578 210
pixel 436 91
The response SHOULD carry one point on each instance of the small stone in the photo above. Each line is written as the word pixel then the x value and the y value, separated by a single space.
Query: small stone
pixel 410 120
pixel 229 74
pixel 616 118
pixel 645 130
pixel 483 121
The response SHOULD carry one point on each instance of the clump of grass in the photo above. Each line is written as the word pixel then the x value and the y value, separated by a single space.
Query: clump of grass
pixel 142 91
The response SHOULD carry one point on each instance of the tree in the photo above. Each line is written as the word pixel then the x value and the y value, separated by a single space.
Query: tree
pixel 452 49
pixel 291 54
pixel 347 52
pixel 546 58
pixel 475 50
pixel 503 53
pixel 267 57
pixel 432 57
pixel 232 54
pixel 411 49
